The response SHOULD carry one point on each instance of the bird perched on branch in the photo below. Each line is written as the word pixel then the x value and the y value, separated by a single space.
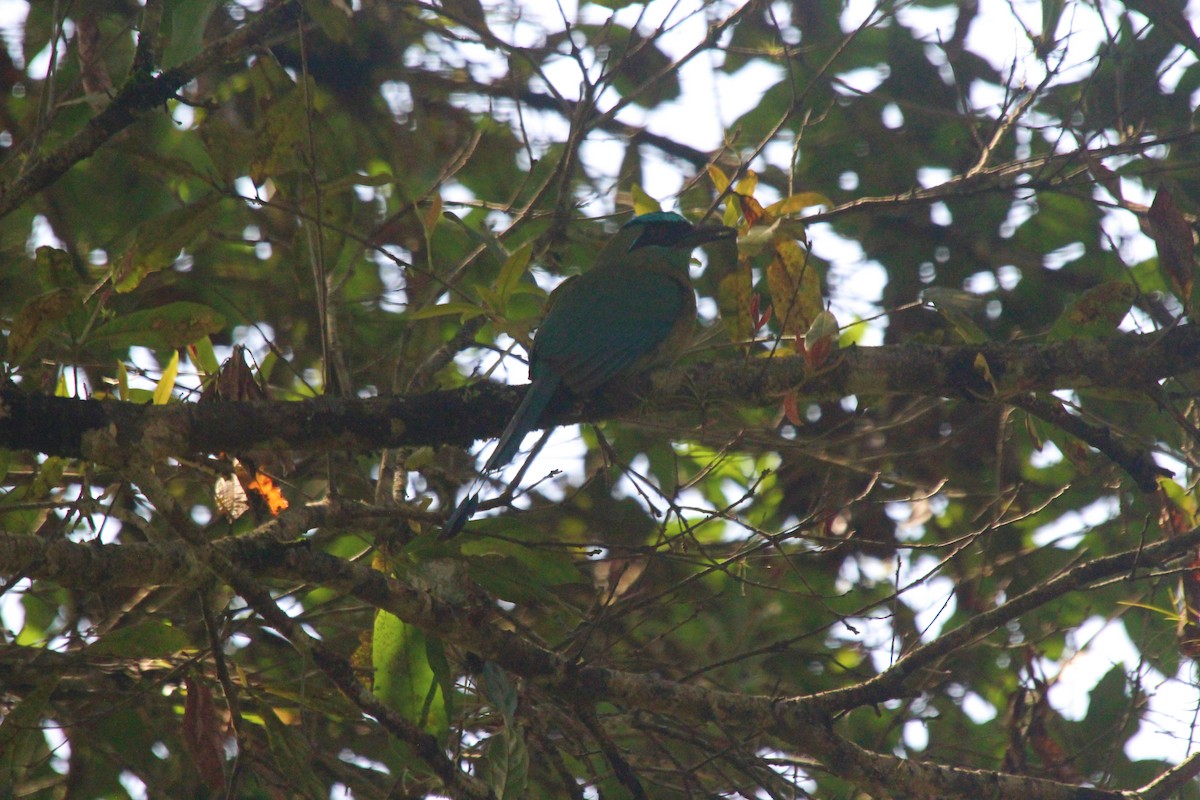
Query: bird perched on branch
pixel 632 309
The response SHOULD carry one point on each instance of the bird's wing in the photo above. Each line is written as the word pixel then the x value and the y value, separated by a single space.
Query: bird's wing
pixel 607 321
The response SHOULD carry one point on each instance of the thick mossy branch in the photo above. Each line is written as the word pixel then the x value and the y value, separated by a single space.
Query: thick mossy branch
pixel 991 372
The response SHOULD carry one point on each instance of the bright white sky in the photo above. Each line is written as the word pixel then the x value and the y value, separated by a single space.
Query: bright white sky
pixel 710 102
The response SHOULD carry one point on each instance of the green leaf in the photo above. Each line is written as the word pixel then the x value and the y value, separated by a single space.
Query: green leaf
pixel 56 268
pixel 291 751
pixel 1095 313
pixel 37 319
pixel 157 242
pixel 206 357
pixel 506 764
pixel 25 717
pixel 170 326
pixel 404 679
pixel 282 133
pixel 333 17
pixel 510 274
pixel 547 567
pixel 148 639
pixel 501 692
pixel 956 306
pixel 184 24
pixel 466 310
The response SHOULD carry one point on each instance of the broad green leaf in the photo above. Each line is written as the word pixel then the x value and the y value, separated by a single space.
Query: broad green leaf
pixel 404 679
pixel 510 274
pixel 172 325
pixel 547 567
pixel 1097 312
pixel 506 764
pixel 333 17
pixel 56 268
pixel 956 306
pixel 466 310
pixel 184 25
pixel 206 357
pixel 37 319
pixel 292 751
pixel 500 691
pixel 282 134
pixel 149 639
pixel 26 716
pixel 157 242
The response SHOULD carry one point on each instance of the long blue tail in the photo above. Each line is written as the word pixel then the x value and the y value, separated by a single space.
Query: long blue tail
pixel 527 417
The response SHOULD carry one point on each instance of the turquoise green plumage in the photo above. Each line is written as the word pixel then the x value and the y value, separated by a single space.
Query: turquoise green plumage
pixel 634 307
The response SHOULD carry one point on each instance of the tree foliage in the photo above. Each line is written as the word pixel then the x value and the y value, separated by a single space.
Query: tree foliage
pixel 936 435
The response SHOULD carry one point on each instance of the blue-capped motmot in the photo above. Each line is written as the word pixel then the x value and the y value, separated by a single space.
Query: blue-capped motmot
pixel 633 308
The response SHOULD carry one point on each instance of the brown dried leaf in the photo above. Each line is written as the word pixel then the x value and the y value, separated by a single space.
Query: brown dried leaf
pixel 1176 245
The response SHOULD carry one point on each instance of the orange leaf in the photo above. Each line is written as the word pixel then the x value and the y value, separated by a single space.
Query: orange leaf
pixel 269 491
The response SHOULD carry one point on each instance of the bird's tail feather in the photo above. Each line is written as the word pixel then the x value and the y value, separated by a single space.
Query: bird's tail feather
pixel 459 516
pixel 524 419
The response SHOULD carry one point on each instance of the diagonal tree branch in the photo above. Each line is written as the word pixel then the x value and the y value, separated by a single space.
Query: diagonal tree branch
pixel 141 92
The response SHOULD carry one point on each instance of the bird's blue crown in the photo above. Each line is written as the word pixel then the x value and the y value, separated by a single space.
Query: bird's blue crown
pixel 657 217
pixel 659 229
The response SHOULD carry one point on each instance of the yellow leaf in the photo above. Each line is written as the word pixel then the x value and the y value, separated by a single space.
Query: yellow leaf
pixel 719 179
pixel 795 288
pixel 733 300
pixel 797 203
pixel 730 218
pixel 429 219
pixel 981 366
pixel 162 392
pixel 642 202
pixel 747 184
